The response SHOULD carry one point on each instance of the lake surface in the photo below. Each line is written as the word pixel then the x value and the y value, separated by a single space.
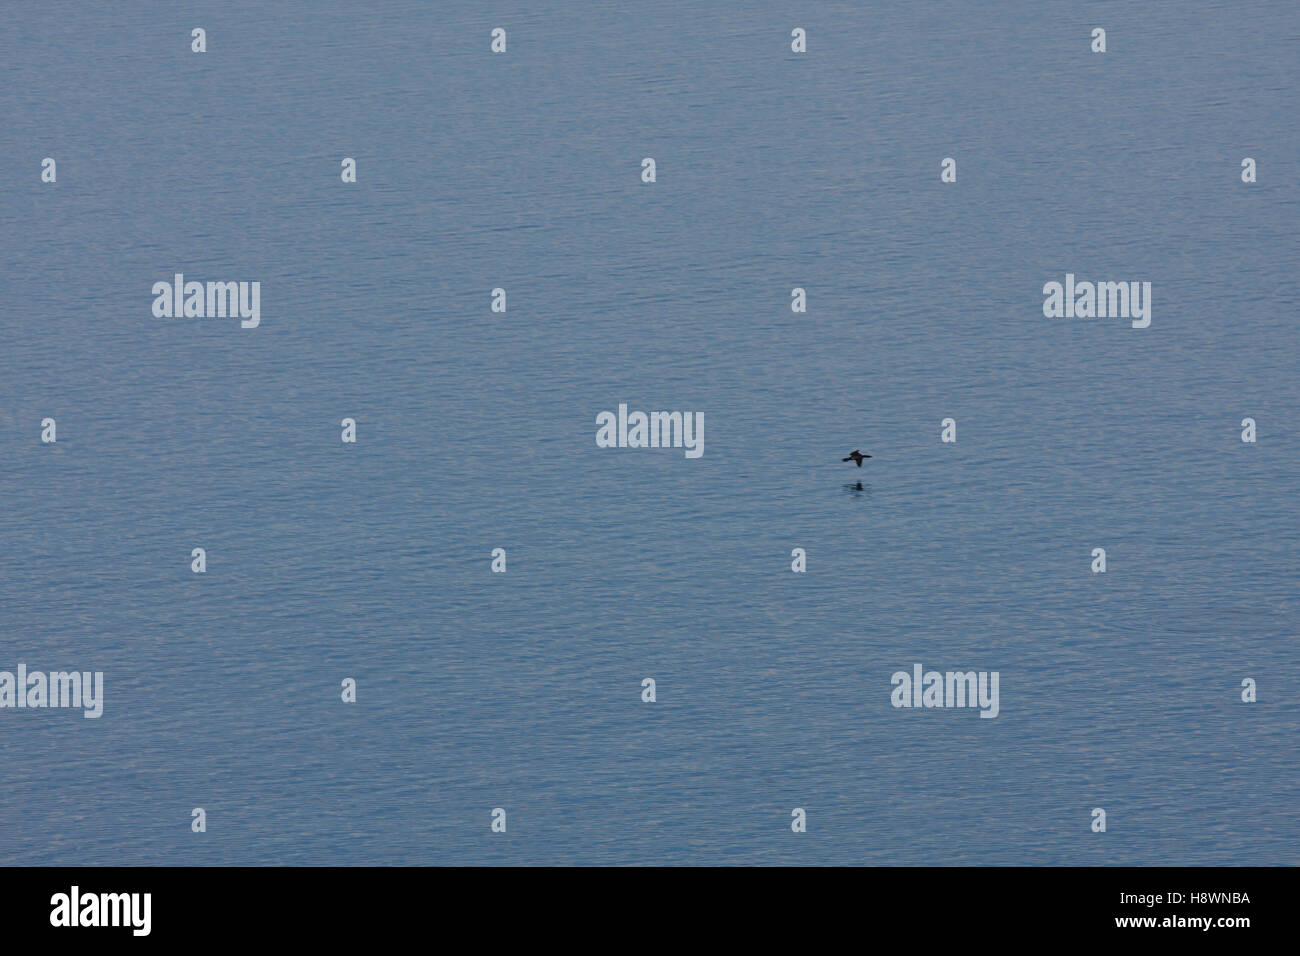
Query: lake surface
pixel 475 430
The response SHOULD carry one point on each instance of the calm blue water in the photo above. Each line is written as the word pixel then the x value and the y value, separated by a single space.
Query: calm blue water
pixel 476 430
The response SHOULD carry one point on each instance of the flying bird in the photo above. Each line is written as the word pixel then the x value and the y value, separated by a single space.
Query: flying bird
pixel 856 456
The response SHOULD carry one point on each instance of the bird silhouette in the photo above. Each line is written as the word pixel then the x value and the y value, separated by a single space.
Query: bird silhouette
pixel 856 456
